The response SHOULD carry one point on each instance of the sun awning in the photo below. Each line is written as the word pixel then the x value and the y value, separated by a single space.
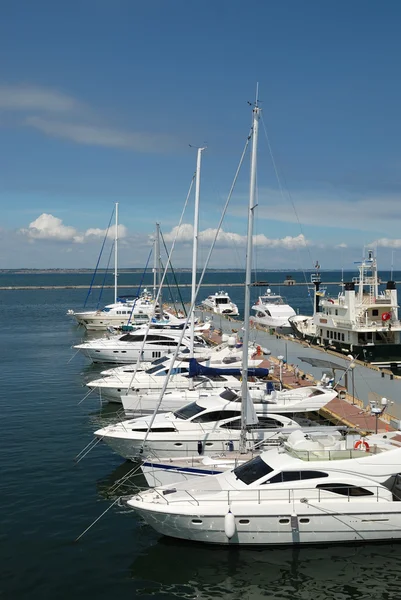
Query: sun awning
pixel 324 364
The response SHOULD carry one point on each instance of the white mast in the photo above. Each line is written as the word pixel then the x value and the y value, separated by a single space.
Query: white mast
pixel 246 415
pixel 158 270
pixel 154 267
pixel 195 247
pixel 116 257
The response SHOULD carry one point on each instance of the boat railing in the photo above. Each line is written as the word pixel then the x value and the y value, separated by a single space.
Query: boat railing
pixel 322 454
pixel 287 495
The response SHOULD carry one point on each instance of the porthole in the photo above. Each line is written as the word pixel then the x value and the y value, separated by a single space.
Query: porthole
pixel 197 521
pixel 178 444
pixel 115 351
pixel 304 520
pixel 283 520
pixel 123 352
pixel 209 444
pixel 244 521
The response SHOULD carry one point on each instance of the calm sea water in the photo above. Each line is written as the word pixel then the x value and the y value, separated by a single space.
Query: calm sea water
pixel 47 499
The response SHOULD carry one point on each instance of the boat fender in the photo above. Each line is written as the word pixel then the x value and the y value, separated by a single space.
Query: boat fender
pixel 386 316
pixel 258 351
pixel 362 444
pixel 229 524
pixel 200 447
pixel 294 520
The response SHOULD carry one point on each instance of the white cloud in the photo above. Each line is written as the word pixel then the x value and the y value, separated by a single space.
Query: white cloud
pixel 342 245
pixel 49 227
pixel 30 97
pixel 227 239
pixel 122 232
pixel 387 243
pixel 75 121
pixel 97 135
pixel 331 209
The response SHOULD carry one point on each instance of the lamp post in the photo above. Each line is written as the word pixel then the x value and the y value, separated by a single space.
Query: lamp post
pixel 378 410
pixel 281 358
pixel 352 367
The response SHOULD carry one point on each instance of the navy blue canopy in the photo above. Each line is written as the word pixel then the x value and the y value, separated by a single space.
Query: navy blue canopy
pixel 196 369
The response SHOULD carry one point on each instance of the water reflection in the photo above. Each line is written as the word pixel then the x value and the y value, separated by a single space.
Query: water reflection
pixel 125 480
pixel 187 570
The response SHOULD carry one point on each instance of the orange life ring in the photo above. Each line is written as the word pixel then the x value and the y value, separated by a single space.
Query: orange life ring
pixel 363 444
pixel 386 316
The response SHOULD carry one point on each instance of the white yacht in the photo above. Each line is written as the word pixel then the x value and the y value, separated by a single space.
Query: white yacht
pixel 130 347
pixel 211 424
pixel 277 499
pixel 118 382
pixel 151 381
pixel 221 304
pixel 308 446
pixel 127 309
pixel 361 320
pixel 265 399
pixel 272 311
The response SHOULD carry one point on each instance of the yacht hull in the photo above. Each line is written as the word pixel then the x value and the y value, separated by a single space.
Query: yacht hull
pixel 386 355
pixel 285 524
pixel 212 444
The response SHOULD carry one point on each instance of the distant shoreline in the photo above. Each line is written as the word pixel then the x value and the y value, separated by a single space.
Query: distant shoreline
pixel 140 270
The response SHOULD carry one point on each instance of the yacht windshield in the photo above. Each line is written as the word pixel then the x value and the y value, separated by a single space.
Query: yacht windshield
pixel 188 411
pixel 154 370
pixel 252 470
pixel 159 361
pixel 229 395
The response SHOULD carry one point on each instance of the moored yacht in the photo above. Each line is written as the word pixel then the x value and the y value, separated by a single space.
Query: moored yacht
pixel 209 425
pixel 118 382
pixel 139 344
pixel 221 304
pixel 127 309
pixel 361 320
pixel 277 499
pixel 308 446
pixel 272 311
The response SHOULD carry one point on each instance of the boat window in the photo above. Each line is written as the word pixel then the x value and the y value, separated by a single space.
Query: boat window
pixel 252 470
pixel 229 395
pixel 155 429
pixel 188 411
pixel 154 369
pixel 159 361
pixel 269 422
pixel 295 476
pixel 216 415
pixel 234 424
pixel 344 489
pixel 316 393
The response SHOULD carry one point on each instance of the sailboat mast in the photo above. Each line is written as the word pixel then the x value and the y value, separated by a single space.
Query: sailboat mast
pixel 195 247
pixel 154 266
pixel 116 257
pixel 158 270
pixel 247 303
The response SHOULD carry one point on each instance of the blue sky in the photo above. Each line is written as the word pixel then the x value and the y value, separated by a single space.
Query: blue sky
pixel 100 99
